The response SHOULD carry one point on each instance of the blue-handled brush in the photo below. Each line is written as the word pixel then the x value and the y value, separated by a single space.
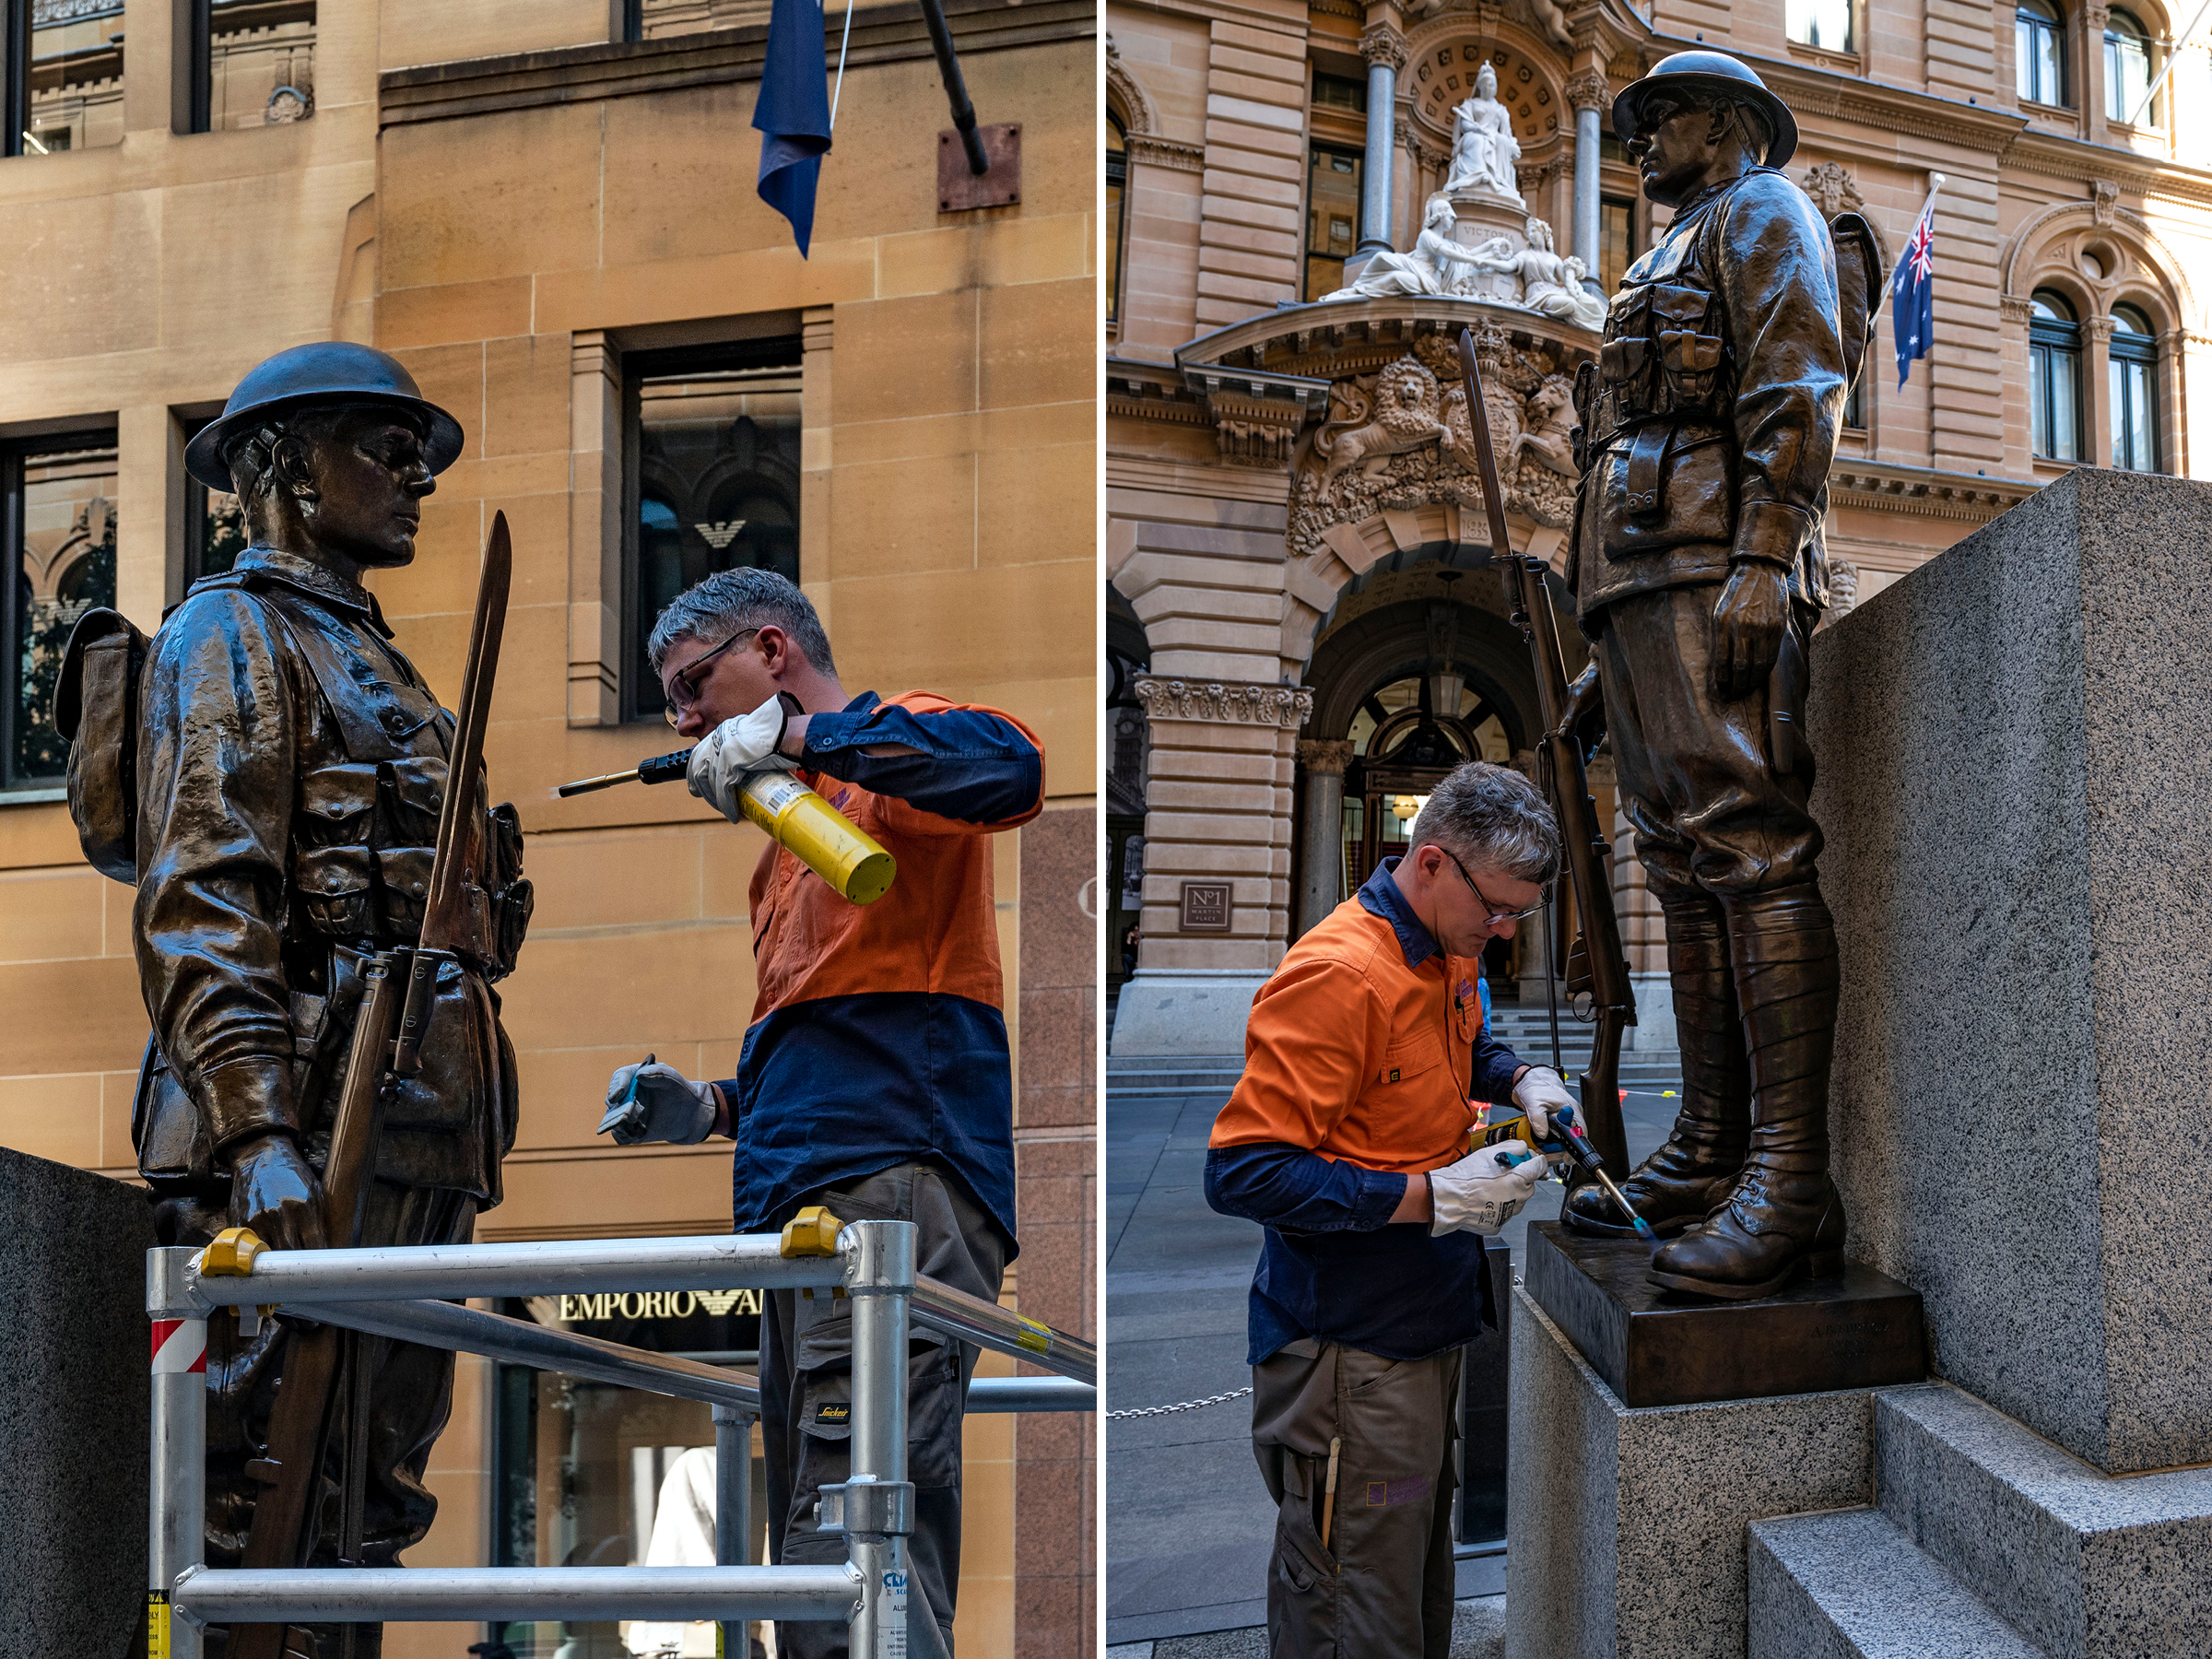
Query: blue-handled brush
pixel 1567 1138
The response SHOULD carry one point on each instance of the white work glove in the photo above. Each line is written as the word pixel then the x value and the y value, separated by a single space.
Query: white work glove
pixel 654 1102
pixel 740 746
pixel 1484 1190
pixel 1541 1093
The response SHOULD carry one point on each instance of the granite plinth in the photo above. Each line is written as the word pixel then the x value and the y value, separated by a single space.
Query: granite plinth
pixel 1192 1012
pixel 1628 1526
pixel 1655 1346
pixel 2016 821
pixel 74 1400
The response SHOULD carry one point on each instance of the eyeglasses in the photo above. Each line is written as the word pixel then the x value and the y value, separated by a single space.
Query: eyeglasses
pixel 1496 916
pixel 683 686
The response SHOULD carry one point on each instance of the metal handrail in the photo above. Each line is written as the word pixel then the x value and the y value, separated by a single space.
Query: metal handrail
pixel 367 1594
pixel 938 1307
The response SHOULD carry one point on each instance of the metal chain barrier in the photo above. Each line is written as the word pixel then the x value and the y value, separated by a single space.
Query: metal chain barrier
pixel 1235 1394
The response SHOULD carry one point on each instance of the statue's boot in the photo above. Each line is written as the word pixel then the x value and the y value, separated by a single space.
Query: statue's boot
pixel 1682 1182
pixel 1783 1214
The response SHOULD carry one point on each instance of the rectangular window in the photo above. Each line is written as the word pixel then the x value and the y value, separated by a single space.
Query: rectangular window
pixel 62 62
pixel 711 463
pixel 1822 23
pixel 57 517
pixel 1117 187
pixel 2040 53
pixel 2054 400
pixel 1854 406
pixel 1332 217
pixel 1616 247
pixel 2134 419
pixel 656 19
pixel 253 64
pixel 1339 92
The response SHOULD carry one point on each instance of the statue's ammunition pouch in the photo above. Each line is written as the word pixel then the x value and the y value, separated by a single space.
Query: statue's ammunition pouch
pixel 1658 405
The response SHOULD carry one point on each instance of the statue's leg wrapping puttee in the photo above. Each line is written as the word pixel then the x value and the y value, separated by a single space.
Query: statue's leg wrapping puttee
pixel 1782 1212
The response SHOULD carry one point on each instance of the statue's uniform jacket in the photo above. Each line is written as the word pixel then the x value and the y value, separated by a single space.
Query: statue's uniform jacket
pixel 291 769
pixel 1719 390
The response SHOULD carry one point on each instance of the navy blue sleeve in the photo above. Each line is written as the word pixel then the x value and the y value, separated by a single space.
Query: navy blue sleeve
pixel 1493 1070
pixel 971 766
pixel 1289 1187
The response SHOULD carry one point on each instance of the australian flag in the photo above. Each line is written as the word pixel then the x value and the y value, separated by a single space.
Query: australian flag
pixel 1913 300
pixel 794 114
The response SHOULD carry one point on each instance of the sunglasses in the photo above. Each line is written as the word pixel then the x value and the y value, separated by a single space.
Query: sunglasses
pixel 683 685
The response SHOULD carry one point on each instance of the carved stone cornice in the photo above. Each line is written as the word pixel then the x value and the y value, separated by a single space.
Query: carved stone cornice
pixel 1256 431
pixel 1326 755
pixel 1226 703
pixel 1923 491
pixel 1150 150
pixel 1152 392
pixel 1589 90
pixel 2056 156
pixel 1380 43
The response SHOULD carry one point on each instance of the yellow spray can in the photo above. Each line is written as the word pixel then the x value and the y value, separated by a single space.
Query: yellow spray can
pixel 823 839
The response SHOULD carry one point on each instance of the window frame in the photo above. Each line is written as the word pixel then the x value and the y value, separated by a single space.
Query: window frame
pixel 2137 349
pixel 1306 255
pixel 2116 112
pixel 2046 336
pixel 1850 48
pixel 639 701
pixel 2028 19
pixel 1117 177
pixel 1632 252
pixel 14 74
pixel 195 85
pixel 14 454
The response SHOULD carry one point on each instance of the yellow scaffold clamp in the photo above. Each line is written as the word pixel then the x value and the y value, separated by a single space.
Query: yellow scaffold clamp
pixel 812 1232
pixel 231 1254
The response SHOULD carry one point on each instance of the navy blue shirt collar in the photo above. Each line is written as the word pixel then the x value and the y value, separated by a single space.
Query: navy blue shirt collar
pixel 1380 896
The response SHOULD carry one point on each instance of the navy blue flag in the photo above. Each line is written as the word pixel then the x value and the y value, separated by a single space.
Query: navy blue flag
pixel 794 114
pixel 1912 304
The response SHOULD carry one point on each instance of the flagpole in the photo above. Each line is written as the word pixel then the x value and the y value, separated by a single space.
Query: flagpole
pixel 1935 182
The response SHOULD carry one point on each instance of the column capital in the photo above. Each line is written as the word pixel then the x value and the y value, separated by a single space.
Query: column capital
pixel 1589 90
pixel 1383 43
pixel 2014 307
pixel 2096 17
pixel 1328 756
pixel 2098 329
pixel 1224 701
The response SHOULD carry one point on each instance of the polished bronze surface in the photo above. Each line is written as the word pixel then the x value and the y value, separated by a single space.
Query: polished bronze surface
pixel 1708 425
pixel 1861 1329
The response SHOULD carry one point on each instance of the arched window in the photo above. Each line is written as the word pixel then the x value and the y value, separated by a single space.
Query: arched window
pixel 1822 23
pixel 2127 69
pixel 2133 358
pixel 2041 36
pixel 2054 376
pixel 1117 186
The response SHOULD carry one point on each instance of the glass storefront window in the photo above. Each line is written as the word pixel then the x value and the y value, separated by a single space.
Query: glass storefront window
pixel 76 76
pixel 58 505
pixel 716 483
pixel 590 1474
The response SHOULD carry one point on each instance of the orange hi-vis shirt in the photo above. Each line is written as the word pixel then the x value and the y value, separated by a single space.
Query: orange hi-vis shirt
pixel 1352 1054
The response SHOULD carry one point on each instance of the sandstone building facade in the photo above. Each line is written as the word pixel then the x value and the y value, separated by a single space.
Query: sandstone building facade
pixel 1303 625
pixel 547 209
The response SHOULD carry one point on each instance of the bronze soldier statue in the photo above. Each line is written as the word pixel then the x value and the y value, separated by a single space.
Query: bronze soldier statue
pixel 290 766
pixel 1708 426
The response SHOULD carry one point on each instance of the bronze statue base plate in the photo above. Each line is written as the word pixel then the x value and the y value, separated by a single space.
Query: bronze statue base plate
pixel 1660 1347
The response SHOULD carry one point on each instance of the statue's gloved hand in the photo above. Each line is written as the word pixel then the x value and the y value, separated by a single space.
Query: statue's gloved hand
pixel 663 1106
pixel 1484 1190
pixel 274 1190
pixel 1541 1093
pixel 1585 711
pixel 1747 628
pixel 741 744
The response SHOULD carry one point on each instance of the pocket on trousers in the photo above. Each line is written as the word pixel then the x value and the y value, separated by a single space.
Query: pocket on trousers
pixel 825 1406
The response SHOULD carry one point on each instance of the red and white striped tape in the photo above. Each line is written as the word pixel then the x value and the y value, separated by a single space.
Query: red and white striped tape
pixel 179 1345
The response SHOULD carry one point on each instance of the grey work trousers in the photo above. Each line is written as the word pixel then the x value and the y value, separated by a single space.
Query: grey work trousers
pixel 1382 1587
pixel 807 1392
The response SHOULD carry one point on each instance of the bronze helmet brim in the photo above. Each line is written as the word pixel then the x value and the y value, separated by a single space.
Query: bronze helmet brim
pixel 327 373
pixel 1627 109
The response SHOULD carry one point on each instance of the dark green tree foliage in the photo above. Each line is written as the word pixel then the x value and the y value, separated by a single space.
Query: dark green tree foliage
pixel 41 750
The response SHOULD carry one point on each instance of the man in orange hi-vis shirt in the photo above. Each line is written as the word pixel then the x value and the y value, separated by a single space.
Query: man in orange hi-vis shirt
pixel 1348 1136
pixel 875 1077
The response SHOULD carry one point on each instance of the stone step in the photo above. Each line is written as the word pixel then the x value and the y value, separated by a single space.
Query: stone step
pixel 2084 1563
pixel 1850 1584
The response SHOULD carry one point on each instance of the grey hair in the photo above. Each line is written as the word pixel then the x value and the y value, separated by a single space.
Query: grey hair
pixel 728 602
pixel 1494 818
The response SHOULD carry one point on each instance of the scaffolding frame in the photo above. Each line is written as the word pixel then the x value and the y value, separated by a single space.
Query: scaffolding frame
pixel 402 1291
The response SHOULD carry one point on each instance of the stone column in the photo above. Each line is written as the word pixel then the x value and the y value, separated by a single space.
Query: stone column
pixel 2089 94
pixel 2097 390
pixel 1384 49
pixel 1321 831
pixel 1590 94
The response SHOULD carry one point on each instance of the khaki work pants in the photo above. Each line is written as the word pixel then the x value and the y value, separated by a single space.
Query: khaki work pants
pixel 1383 1588
pixel 807 1394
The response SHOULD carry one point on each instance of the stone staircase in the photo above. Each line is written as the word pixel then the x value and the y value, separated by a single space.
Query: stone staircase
pixel 1986 1540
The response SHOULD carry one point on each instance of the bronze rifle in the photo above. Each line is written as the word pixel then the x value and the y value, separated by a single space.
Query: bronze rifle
pixel 1595 966
pixel 388 1034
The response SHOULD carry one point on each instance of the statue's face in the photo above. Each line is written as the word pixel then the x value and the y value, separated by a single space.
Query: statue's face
pixel 369 477
pixel 1486 81
pixel 1673 150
